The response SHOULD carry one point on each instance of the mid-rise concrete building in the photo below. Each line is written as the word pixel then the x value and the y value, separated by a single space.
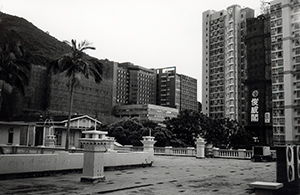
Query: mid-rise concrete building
pixel 176 90
pixel 188 95
pixel 168 87
pixel 146 112
pixel 139 83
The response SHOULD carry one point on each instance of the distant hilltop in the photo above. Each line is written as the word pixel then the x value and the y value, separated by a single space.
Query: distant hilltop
pixel 41 46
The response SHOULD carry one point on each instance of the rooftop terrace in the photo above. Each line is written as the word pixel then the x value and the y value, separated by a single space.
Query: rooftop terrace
pixel 168 175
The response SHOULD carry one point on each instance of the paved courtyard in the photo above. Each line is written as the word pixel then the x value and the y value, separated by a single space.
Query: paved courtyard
pixel 168 175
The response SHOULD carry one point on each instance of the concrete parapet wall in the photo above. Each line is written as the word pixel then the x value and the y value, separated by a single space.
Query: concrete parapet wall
pixel 23 163
pixel 26 163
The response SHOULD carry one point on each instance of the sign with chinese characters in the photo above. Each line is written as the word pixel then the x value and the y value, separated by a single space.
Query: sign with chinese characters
pixel 254 107
pixel 267 117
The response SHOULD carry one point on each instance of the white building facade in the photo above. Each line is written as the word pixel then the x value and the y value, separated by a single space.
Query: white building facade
pixel 223 62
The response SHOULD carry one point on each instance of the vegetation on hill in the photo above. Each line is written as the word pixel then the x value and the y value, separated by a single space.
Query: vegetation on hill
pixel 41 46
pixel 39 49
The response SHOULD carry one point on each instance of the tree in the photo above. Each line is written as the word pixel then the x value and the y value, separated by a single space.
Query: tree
pixel 74 65
pixel 222 132
pixel 14 69
pixel 185 127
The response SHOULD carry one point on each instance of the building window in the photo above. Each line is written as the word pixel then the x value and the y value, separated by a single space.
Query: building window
pixel 10 136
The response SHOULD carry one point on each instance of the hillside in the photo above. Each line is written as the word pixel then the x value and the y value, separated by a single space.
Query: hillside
pixel 34 41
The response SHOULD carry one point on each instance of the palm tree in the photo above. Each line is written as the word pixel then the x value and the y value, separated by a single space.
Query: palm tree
pixel 74 65
pixel 14 69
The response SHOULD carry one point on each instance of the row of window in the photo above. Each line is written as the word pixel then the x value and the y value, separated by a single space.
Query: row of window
pixel 216 52
pixel 217 102
pixel 277 70
pixel 216 83
pixel 276 46
pixel 216 58
pixel 275 23
pixel 277 38
pixel 278 96
pixel 217 109
pixel 216 115
pixel 216 70
pixel 217 89
pixel 217 64
pixel 215 33
pixel 278 112
pixel 216 21
pixel 216 45
pixel 275 7
pixel 216 95
pixel 216 39
pixel 278 121
pixel 276 31
pixel 278 104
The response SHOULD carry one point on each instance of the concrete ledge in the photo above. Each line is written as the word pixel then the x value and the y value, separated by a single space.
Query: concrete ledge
pixel 266 185
pixel 265 188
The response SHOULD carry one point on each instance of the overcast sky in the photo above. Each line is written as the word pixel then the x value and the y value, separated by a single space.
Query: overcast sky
pixel 149 33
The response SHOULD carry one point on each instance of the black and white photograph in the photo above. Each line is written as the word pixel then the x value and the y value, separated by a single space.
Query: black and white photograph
pixel 150 97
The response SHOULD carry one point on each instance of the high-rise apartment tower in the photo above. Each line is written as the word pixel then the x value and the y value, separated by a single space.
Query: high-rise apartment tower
pixel 223 62
pixel 285 46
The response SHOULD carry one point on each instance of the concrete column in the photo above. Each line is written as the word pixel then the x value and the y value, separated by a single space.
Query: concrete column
pixel 190 151
pixel 95 145
pixel 200 148
pixel 148 142
pixel 242 153
pixel 111 144
pixel 168 150
pixel 50 137
pixel 216 152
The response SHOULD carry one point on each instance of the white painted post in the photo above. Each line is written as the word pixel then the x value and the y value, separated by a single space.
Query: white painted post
pixel 95 145
pixel 190 151
pixel 168 150
pixel 216 152
pixel 200 148
pixel 50 138
pixel 148 142
pixel 242 153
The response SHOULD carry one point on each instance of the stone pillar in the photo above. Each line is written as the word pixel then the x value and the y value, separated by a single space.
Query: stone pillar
pixel 242 153
pixel 190 151
pixel 50 137
pixel 200 148
pixel 168 150
pixel 148 142
pixel 111 146
pixel 216 152
pixel 95 145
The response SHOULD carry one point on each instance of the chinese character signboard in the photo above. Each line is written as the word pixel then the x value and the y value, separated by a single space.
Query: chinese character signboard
pixel 267 117
pixel 254 107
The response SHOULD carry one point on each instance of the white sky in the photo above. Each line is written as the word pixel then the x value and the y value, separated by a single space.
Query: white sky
pixel 149 33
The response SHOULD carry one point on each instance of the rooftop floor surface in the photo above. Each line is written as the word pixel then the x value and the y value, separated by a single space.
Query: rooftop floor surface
pixel 168 175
